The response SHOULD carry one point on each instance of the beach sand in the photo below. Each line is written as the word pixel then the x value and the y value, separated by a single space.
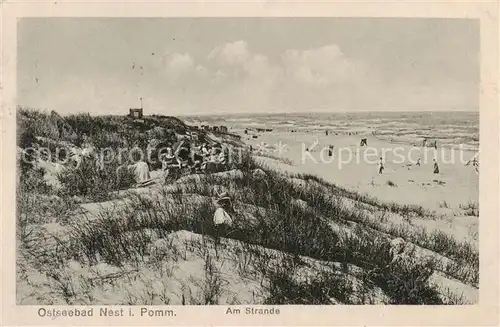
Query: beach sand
pixel 445 193
pixel 356 168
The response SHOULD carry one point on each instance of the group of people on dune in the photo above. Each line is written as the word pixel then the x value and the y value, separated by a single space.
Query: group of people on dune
pixel 197 158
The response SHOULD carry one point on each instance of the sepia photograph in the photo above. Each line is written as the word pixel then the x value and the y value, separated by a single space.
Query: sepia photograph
pixel 244 161
pixel 247 161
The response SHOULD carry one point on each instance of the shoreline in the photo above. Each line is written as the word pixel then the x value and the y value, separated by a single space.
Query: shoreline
pixel 398 139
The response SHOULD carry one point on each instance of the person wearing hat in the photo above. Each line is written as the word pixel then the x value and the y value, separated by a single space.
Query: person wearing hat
pixel 222 219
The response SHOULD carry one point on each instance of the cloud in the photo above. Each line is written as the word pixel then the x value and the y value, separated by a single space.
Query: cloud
pixel 237 64
pixel 251 81
pixel 317 67
pixel 234 77
pixel 178 64
pixel 234 53
pixel 321 66
pixel 257 65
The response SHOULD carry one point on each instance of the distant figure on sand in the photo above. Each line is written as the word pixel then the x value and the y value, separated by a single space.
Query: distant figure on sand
pixel 475 164
pixel 326 133
pixel 380 166
pixel 418 162
pixel 330 150
pixel 473 161
pixel 363 142
pixel 436 167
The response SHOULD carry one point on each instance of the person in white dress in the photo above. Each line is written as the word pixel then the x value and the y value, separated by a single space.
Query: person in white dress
pixel 223 222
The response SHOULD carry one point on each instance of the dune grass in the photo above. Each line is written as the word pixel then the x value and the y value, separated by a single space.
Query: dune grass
pixel 470 208
pixel 276 192
pixel 122 236
pixel 402 209
pixel 293 218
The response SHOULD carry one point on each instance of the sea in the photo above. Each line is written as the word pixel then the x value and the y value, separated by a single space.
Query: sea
pixel 457 129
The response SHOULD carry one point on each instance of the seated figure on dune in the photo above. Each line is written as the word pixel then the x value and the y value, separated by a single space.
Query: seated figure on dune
pixel 141 170
pixel 363 142
pixel 223 222
pixel 196 159
pixel 217 161
pixel 205 151
pixel 212 162
pixel 168 162
pixel 222 157
pixel 183 154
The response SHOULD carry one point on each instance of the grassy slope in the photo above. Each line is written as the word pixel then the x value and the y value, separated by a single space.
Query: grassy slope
pixel 300 218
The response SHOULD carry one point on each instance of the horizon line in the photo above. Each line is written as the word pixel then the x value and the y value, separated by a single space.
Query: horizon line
pixel 247 113
pixel 321 112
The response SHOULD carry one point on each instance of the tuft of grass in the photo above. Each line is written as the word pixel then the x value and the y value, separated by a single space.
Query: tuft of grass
pixel 470 208
pixel 409 283
pixel 93 182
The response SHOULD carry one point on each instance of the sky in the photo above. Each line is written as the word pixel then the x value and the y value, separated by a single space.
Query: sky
pixel 182 66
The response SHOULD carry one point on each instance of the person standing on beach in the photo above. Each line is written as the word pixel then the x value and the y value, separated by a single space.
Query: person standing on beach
pixel 330 150
pixel 436 167
pixel 418 162
pixel 380 166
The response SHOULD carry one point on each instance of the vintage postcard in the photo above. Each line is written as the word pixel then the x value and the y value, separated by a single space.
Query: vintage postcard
pixel 250 163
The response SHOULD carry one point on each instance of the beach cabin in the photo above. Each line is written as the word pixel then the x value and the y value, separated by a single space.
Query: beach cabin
pixel 223 129
pixel 135 113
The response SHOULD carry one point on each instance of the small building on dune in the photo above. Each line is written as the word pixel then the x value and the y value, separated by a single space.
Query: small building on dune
pixel 136 113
